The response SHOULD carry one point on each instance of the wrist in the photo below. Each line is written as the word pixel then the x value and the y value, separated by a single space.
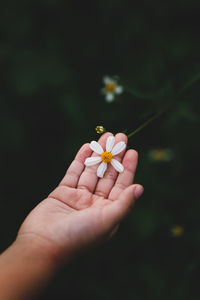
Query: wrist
pixel 34 248
pixel 25 268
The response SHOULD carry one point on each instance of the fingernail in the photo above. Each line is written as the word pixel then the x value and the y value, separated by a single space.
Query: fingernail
pixel 138 191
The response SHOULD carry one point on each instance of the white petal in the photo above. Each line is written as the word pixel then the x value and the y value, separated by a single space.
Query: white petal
pixel 96 147
pixel 107 79
pixel 90 161
pixel 103 91
pixel 101 169
pixel 110 143
pixel 117 165
pixel 110 97
pixel 119 90
pixel 119 147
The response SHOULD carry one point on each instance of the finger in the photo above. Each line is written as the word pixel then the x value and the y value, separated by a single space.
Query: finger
pixel 76 168
pixel 105 184
pixel 126 177
pixel 88 178
pixel 119 209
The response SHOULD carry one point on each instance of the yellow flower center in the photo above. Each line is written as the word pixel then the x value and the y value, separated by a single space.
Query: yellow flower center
pixel 106 156
pixel 110 87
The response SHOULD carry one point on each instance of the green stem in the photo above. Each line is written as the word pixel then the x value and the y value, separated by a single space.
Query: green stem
pixel 154 117
pixel 189 83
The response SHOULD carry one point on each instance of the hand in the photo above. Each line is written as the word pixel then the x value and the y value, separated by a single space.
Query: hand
pixel 83 210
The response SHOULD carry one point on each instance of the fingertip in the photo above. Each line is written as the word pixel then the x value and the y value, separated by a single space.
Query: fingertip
pixel 138 190
pixel 121 137
pixel 84 147
pixel 107 133
pixel 132 154
pixel 135 153
pixel 83 153
pixel 103 138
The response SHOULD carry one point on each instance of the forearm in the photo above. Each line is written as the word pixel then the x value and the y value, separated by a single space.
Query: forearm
pixel 25 269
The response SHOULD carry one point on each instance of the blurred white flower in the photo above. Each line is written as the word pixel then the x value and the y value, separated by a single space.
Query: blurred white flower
pixel 111 88
pixel 177 231
pixel 161 155
pixel 106 157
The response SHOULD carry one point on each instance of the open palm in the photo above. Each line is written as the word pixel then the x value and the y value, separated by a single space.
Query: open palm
pixel 84 210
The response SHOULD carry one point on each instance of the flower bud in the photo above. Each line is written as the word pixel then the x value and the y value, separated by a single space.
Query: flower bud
pixel 100 129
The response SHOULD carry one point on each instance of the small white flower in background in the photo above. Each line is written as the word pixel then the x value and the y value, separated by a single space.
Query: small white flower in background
pixel 177 231
pixel 111 88
pixel 161 155
pixel 106 157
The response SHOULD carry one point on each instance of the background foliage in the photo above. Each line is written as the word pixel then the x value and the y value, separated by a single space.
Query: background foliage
pixel 53 55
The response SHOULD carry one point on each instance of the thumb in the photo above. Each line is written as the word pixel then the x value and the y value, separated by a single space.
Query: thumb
pixel 119 209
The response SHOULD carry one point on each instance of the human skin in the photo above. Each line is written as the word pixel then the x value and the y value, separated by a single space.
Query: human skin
pixel 82 212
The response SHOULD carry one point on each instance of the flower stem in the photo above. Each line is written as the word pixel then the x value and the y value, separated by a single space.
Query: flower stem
pixel 154 117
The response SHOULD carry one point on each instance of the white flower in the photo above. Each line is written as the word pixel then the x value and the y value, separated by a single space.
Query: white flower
pixel 161 155
pixel 111 88
pixel 106 157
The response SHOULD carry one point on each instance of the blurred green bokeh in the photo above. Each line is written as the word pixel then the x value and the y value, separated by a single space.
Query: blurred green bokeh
pixel 53 57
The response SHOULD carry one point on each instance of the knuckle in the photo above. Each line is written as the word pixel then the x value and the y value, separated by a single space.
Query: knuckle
pixel 121 185
pixel 100 194
pixel 110 174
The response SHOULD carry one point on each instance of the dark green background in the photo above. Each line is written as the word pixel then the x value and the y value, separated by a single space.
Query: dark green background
pixel 53 55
